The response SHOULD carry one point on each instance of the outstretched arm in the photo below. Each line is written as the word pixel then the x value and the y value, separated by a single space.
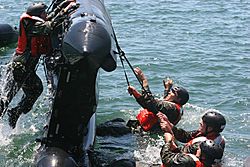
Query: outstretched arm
pixel 142 77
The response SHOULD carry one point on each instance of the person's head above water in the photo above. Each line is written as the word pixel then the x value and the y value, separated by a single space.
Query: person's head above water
pixel 178 95
pixel 210 151
pixel 215 120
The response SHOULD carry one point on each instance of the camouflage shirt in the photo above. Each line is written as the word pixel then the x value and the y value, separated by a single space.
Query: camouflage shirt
pixel 175 159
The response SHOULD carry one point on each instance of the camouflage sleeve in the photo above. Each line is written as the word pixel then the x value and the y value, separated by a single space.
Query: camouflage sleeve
pixel 41 28
pixel 170 110
pixel 184 136
pixel 148 101
pixel 166 106
pixel 141 101
pixel 172 159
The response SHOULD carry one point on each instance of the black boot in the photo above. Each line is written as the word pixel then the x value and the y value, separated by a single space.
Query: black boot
pixel 13 114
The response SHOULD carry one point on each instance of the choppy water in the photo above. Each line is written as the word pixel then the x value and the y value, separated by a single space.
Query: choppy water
pixel 202 45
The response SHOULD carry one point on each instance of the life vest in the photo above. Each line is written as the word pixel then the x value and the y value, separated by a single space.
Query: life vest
pixel 195 140
pixel 198 163
pixel 217 139
pixel 39 44
pixel 147 119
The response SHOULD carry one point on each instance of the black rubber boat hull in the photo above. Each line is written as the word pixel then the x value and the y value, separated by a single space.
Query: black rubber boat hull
pixel 88 45
pixel 91 34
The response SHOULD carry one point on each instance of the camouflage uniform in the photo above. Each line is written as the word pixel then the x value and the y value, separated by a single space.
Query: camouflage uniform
pixel 23 69
pixel 175 159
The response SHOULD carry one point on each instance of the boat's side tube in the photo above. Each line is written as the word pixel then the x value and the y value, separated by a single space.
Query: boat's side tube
pixel 8 35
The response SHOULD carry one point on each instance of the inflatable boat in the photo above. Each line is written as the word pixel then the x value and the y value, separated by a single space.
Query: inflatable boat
pixel 82 46
pixel 8 35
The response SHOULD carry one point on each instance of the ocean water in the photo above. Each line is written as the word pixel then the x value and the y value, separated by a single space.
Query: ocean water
pixel 202 45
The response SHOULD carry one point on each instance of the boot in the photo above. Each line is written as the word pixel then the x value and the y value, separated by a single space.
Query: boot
pixel 13 114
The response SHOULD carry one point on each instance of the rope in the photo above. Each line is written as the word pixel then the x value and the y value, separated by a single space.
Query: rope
pixel 122 58
pixel 124 71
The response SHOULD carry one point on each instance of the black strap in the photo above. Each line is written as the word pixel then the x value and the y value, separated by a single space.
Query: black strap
pixel 131 67
pixel 126 76
pixel 122 58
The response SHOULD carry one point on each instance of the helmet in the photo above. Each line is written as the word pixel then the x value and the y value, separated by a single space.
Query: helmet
pixel 182 94
pixel 210 152
pixel 36 9
pixel 215 120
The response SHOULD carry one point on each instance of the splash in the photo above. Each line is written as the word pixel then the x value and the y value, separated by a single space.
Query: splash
pixel 148 152
pixel 5 75
pixel 4 134
pixel 8 86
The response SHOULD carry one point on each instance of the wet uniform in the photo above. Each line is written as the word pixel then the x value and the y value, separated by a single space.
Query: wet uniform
pixel 186 136
pixel 189 138
pixel 179 159
pixel 172 110
pixel 33 41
